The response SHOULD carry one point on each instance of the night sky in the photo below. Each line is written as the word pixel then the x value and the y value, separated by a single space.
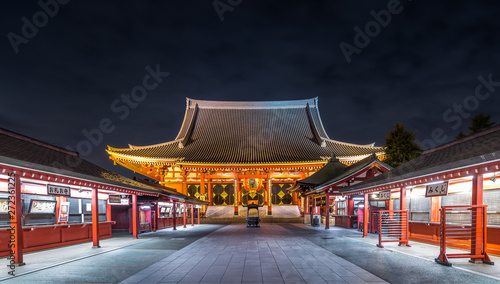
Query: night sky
pixel 66 77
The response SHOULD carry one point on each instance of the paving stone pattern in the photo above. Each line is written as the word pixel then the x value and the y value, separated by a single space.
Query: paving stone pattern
pixel 236 254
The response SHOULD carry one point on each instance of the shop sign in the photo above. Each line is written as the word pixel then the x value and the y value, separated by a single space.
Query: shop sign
pixel 119 200
pixel 58 190
pixel 385 195
pixel 440 189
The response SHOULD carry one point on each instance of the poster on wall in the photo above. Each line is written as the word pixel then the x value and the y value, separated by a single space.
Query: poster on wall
pixel 42 207
pixel 440 189
pixel 63 212
pixel 4 206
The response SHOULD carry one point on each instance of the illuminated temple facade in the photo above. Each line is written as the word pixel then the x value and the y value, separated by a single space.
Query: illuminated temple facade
pixel 237 153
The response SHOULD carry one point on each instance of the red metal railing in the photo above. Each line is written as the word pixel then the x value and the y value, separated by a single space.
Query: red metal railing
pixel 393 227
pixel 463 227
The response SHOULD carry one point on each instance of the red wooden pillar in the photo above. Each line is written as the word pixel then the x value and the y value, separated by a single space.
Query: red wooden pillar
pixel 198 215
pixel 236 195
pixel 135 216
pixel 174 216
pixel 307 206
pixel 350 211
pixel 108 211
pixel 16 245
pixel 184 214
pixel 402 206
pixel 95 218
pixel 192 215
pixel 294 198
pixel 269 196
pixel 157 214
pixel 477 225
pixel 202 189
pixel 366 216
pixel 210 193
pixel 327 212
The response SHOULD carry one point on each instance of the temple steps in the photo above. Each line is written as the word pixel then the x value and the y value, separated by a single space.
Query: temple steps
pixel 227 212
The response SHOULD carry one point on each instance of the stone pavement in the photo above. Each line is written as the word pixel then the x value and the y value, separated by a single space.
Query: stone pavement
pixel 274 253
pixel 270 254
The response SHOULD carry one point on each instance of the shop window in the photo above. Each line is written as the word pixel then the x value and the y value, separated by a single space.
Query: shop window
pixel 492 199
pixel 341 208
pixel 420 208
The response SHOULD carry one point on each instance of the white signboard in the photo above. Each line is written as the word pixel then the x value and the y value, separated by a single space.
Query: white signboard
pixel 440 189
pixel 58 190
pixel 384 195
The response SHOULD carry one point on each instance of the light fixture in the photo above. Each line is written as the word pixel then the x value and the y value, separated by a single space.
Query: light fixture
pixel 493 178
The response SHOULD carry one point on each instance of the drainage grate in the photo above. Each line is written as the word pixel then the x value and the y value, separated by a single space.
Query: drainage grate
pixel 178 239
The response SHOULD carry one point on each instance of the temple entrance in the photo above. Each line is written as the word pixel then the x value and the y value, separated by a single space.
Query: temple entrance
pixel 280 195
pixel 252 197
pixel 223 194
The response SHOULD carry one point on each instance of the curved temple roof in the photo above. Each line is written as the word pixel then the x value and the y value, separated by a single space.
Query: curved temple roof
pixel 223 132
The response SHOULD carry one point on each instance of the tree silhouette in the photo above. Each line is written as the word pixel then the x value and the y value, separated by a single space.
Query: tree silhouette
pixel 399 146
pixel 479 122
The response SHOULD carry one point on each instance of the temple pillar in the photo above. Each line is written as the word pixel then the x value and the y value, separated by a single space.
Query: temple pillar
pixel 236 194
pixel 210 203
pixel 135 217
pixel 174 221
pixel 366 215
pixel 327 211
pixel 477 214
pixel 184 214
pixel 15 212
pixel 202 189
pixel 270 203
pixel 192 215
pixel 350 211
pixel 95 218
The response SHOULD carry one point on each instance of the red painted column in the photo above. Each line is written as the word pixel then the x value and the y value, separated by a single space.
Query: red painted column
pixel 174 215
pixel 198 215
pixel 184 215
pixel 16 245
pixel 108 211
pixel 192 215
pixel 402 198
pixel 210 193
pixel 350 211
pixel 307 205
pixel 135 217
pixel 327 212
pixel 95 218
pixel 294 198
pixel 366 216
pixel 314 206
pixel 477 229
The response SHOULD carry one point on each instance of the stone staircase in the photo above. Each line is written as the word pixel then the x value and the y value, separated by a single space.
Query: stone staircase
pixel 225 215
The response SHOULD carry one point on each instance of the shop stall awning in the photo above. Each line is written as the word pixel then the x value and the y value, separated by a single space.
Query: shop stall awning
pixel 29 154
pixel 477 153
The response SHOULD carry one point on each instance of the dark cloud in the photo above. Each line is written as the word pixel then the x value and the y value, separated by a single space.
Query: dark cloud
pixel 66 78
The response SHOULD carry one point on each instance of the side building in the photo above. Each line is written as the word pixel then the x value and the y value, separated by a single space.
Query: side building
pixel 237 153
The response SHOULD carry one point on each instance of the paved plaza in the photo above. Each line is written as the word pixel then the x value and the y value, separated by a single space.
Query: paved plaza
pixel 274 253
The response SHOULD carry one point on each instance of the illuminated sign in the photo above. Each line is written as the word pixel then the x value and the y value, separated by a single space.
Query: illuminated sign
pixel 385 195
pixel 58 190
pixel 440 189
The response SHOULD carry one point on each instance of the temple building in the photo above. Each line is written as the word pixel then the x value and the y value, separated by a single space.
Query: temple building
pixel 257 150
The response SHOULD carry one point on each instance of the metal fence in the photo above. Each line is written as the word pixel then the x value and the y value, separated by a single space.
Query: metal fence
pixel 393 227
pixel 463 227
